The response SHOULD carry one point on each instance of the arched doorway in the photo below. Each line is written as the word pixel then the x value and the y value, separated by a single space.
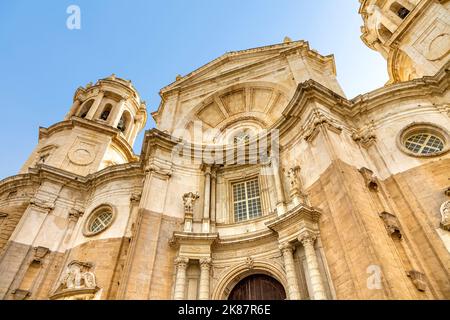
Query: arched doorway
pixel 258 287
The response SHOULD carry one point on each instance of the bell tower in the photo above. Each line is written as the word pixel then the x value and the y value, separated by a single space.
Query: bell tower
pixel 99 130
pixel 412 35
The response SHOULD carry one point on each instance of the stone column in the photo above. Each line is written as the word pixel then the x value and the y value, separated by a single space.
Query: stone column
pixel 181 264
pixel 293 288
pixel 281 209
pixel 95 105
pixel 207 200
pixel 73 110
pixel 116 113
pixel 213 196
pixel 318 290
pixel 205 265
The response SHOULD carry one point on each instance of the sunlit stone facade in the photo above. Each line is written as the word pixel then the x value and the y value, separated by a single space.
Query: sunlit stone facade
pixel 261 180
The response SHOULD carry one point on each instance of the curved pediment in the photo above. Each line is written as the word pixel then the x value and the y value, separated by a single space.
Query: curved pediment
pixel 259 103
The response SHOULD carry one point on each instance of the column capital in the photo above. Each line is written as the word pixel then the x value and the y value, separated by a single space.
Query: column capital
pixel 206 168
pixel 205 263
pixel 307 237
pixel 182 262
pixel 286 247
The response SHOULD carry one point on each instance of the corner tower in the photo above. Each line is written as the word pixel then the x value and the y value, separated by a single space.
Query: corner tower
pixel 99 130
pixel 412 35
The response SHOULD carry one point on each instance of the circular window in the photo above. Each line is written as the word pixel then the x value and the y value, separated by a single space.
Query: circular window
pixel 423 140
pixel 99 220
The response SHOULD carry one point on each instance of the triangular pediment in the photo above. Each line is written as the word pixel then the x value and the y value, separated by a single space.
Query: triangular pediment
pixel 233 61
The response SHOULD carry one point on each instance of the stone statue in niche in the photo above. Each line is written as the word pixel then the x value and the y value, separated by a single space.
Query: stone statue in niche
pixel 445 213
pixel 189 200
pixel 296 190
pixel 77 276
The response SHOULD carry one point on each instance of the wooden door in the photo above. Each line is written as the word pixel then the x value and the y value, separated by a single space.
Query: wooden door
pixel 258 287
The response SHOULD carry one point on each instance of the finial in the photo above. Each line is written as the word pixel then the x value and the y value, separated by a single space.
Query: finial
pixel 287 39
pixel 178 77
pixel 89 85
pixel 113 76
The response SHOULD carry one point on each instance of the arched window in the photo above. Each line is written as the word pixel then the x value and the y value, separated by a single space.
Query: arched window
pixel 124 122
pixel 399 10
pixel 384 33
pixel 423 140
pixel 424 143
pixel 99 220
pixel 85 109
pixel 106 112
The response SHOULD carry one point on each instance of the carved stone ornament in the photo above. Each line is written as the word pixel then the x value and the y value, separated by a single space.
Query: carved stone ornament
pixel 445 214
pixel 319 120
pixel 369 178
pixel 418 279
pixel 40 253
pixel 249 263
pixel 294 184
pixel 76 212
pixel 189 200
pixel 135 197
pixel 447 192
pixel 77 276
pixel 41 204
pixel 392 225
pixel 365 135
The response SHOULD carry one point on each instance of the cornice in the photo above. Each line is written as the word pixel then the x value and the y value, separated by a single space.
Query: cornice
pixel 68 179
pixel 310 92
pixel 114 133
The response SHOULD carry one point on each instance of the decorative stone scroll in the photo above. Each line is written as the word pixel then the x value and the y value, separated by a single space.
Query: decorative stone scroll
pixel 189 200
pixel 369 178
pixel 445 214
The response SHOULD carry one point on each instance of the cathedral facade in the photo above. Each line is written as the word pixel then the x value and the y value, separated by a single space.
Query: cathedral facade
pixel 261 180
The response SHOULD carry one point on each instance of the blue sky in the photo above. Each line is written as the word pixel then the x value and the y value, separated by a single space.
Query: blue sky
pixel 42 62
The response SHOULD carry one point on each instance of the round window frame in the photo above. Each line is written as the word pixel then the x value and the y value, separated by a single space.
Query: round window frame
pixel 90 218
pixel 423 127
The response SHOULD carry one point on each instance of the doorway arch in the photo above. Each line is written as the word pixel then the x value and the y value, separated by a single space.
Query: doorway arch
pixel 258 287
pixel 231 277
